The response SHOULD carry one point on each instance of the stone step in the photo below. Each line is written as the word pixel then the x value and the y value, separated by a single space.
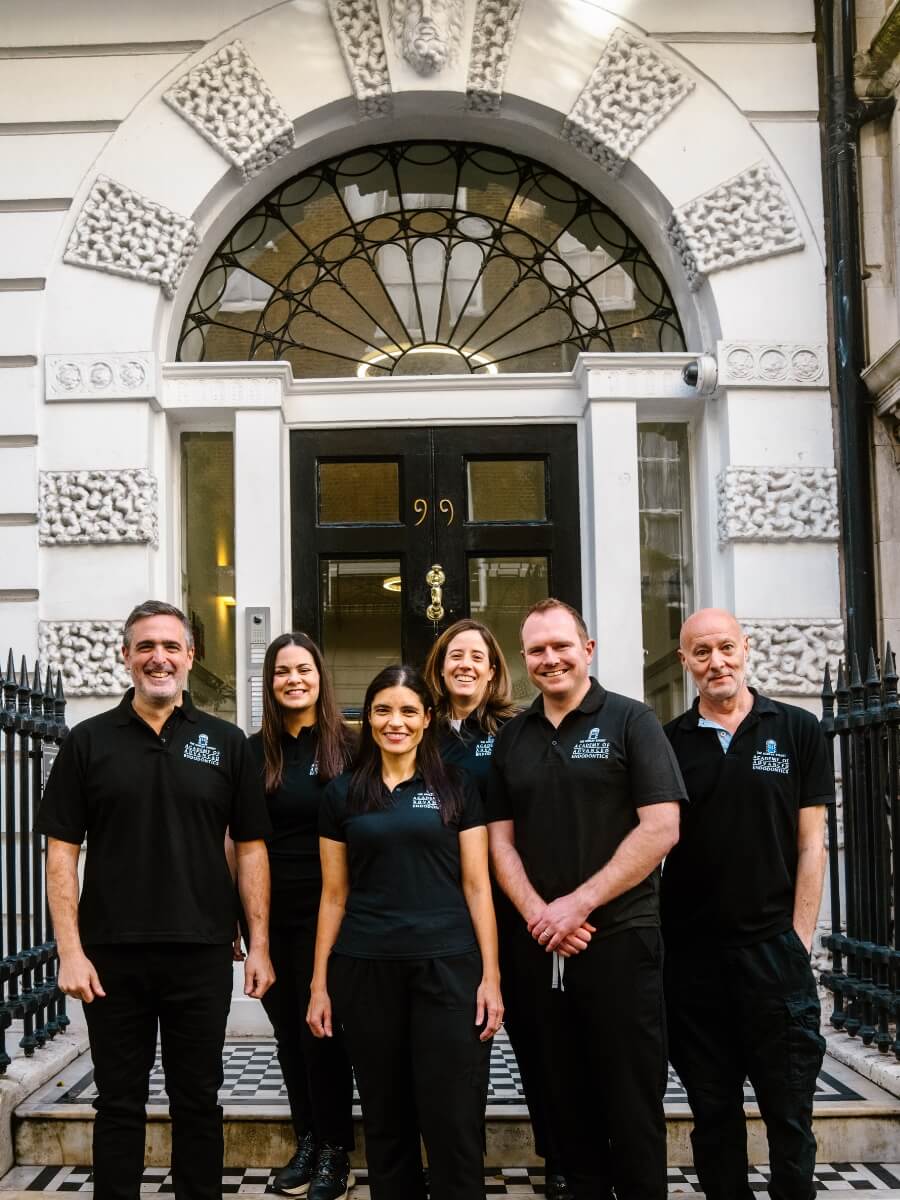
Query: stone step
pixel 835 1179
pixel 855 1120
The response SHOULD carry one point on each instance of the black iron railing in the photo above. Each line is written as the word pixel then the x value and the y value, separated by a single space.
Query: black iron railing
pixel 33 724
pixel 863 717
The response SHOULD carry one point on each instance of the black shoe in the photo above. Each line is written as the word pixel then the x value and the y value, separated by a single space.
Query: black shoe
pixel 293 1178
pixel 332 1178
pixel 555 1185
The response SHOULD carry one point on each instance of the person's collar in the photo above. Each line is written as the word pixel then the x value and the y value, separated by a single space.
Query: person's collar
pixel 304 733
pixel 125 710
pixel 416 778
pixel 592 701
pixel 762 706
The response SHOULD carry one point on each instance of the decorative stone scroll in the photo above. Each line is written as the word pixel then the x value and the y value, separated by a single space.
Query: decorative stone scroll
pixel 358 28
pixel 778 504
pixel 117 376
pixel 493 34
pixel 124 233
pixel 745 218
pixel 428 41
pixel 631 89
pixel 788 656
pixel 97 507
pixel 87 653
pixel 227 101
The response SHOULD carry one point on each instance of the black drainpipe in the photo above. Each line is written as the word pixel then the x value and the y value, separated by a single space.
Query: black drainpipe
pixel 844 114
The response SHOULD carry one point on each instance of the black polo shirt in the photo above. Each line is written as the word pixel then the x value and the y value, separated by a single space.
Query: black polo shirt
pixel 471 748
pixel 406 898
pixel 293 844
pixel 154 809
pixel 731 877
pixel 573 793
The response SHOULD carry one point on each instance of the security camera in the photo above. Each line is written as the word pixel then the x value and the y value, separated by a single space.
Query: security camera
pixel 691 373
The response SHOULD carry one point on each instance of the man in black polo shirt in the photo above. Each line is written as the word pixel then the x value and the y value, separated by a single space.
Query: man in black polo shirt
pixel 153 785
pixel 583 803
pixel 740 897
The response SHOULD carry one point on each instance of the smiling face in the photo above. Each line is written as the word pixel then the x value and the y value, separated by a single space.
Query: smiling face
pixel 715 650
pixel 557 656
pixel 158 660
pixel 467 670
pixel 295 682
pixel 398 720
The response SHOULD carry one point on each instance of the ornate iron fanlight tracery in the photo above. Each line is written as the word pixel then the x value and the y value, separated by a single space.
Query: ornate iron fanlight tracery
pixel 423 258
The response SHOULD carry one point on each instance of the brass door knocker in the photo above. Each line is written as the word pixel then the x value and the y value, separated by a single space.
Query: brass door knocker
pixel 435 578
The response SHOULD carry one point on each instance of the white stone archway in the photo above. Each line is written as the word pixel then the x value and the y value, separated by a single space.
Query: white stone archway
pixel 574 84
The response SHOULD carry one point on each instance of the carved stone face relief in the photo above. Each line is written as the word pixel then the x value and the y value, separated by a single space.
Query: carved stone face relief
pixel 427 32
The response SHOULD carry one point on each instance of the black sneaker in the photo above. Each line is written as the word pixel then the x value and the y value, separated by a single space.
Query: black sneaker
pixel 332 1178
pixel 293 1178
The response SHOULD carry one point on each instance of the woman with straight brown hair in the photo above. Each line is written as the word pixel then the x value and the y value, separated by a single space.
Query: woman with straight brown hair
pixel 303 745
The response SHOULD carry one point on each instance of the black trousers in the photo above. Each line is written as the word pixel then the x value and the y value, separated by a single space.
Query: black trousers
pixel 185 991
pixel 601 1046
pixel 546 1139
pixel 738 1013
pixel 316 1071
pixel 420 1068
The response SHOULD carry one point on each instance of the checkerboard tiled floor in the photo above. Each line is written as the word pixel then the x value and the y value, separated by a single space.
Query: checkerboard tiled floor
pixel 512 1181
pixel 253 1076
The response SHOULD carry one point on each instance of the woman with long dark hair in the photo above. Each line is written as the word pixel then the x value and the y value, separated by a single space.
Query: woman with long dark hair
pixel 469 678
pixel 407 945
pixel 302 746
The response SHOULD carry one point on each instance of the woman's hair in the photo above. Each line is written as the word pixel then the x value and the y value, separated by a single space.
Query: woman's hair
pixel 333 736
pixel 366 792
pixel 496 705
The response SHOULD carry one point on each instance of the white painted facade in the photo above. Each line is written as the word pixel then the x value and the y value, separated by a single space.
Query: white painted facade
pixel 719 176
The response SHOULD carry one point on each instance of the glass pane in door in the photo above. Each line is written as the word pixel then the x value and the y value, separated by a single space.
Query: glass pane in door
pixel 506 489
pixel 501 590
pixel 364 493
pixel 360 619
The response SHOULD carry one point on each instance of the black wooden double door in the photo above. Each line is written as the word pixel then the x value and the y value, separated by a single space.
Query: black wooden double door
pixel 397 533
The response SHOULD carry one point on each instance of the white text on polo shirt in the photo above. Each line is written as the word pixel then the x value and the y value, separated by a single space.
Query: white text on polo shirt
pixel 770 760
pixel 425 800
pixel 201 751
pixel 314 768
pixel 593 746
pixel 484 749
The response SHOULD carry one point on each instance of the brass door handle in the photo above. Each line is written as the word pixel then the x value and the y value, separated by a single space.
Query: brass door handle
pixel 435 578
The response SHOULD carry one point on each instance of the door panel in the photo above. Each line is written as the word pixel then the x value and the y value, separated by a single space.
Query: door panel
pixel 374 510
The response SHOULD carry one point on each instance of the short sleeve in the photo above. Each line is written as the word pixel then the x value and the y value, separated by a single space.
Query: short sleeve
pixel 816 765
pixel 331 814
pixel 652 766
pixel 249 814
pixel 498 804
pixel 473 810
pixel 63 809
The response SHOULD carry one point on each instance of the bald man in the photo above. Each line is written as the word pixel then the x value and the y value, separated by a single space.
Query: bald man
pixel 740 898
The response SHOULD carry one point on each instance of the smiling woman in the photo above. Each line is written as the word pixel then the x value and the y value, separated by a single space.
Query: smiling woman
pixel 407 944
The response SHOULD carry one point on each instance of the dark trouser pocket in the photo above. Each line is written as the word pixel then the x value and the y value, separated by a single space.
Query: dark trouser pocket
pixel 806 1046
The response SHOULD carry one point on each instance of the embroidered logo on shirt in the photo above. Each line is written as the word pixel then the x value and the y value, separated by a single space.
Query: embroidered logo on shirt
pixel 202 751
pixel 484 749
pixel 771 760
pixel 314 769
pixel 426 800
pixel 593 746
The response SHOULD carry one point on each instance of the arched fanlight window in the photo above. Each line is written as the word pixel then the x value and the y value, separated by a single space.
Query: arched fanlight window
pixel 424 258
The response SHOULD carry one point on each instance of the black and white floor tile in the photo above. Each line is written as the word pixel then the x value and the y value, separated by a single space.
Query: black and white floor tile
pixel 253 1076
pixel 511 1181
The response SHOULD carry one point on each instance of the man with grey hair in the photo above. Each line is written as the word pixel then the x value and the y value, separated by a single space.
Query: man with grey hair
pixel 740 897
pixel 152 785
pixel 427 32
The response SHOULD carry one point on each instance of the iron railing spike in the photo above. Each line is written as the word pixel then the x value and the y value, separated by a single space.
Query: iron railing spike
pixel 10 668
pixel 872 677
pixel 24 680
pixel 58 693
pixel 36 688
pixel 827 690
pixel 855 676
pixel 889 670
pixel 48 682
